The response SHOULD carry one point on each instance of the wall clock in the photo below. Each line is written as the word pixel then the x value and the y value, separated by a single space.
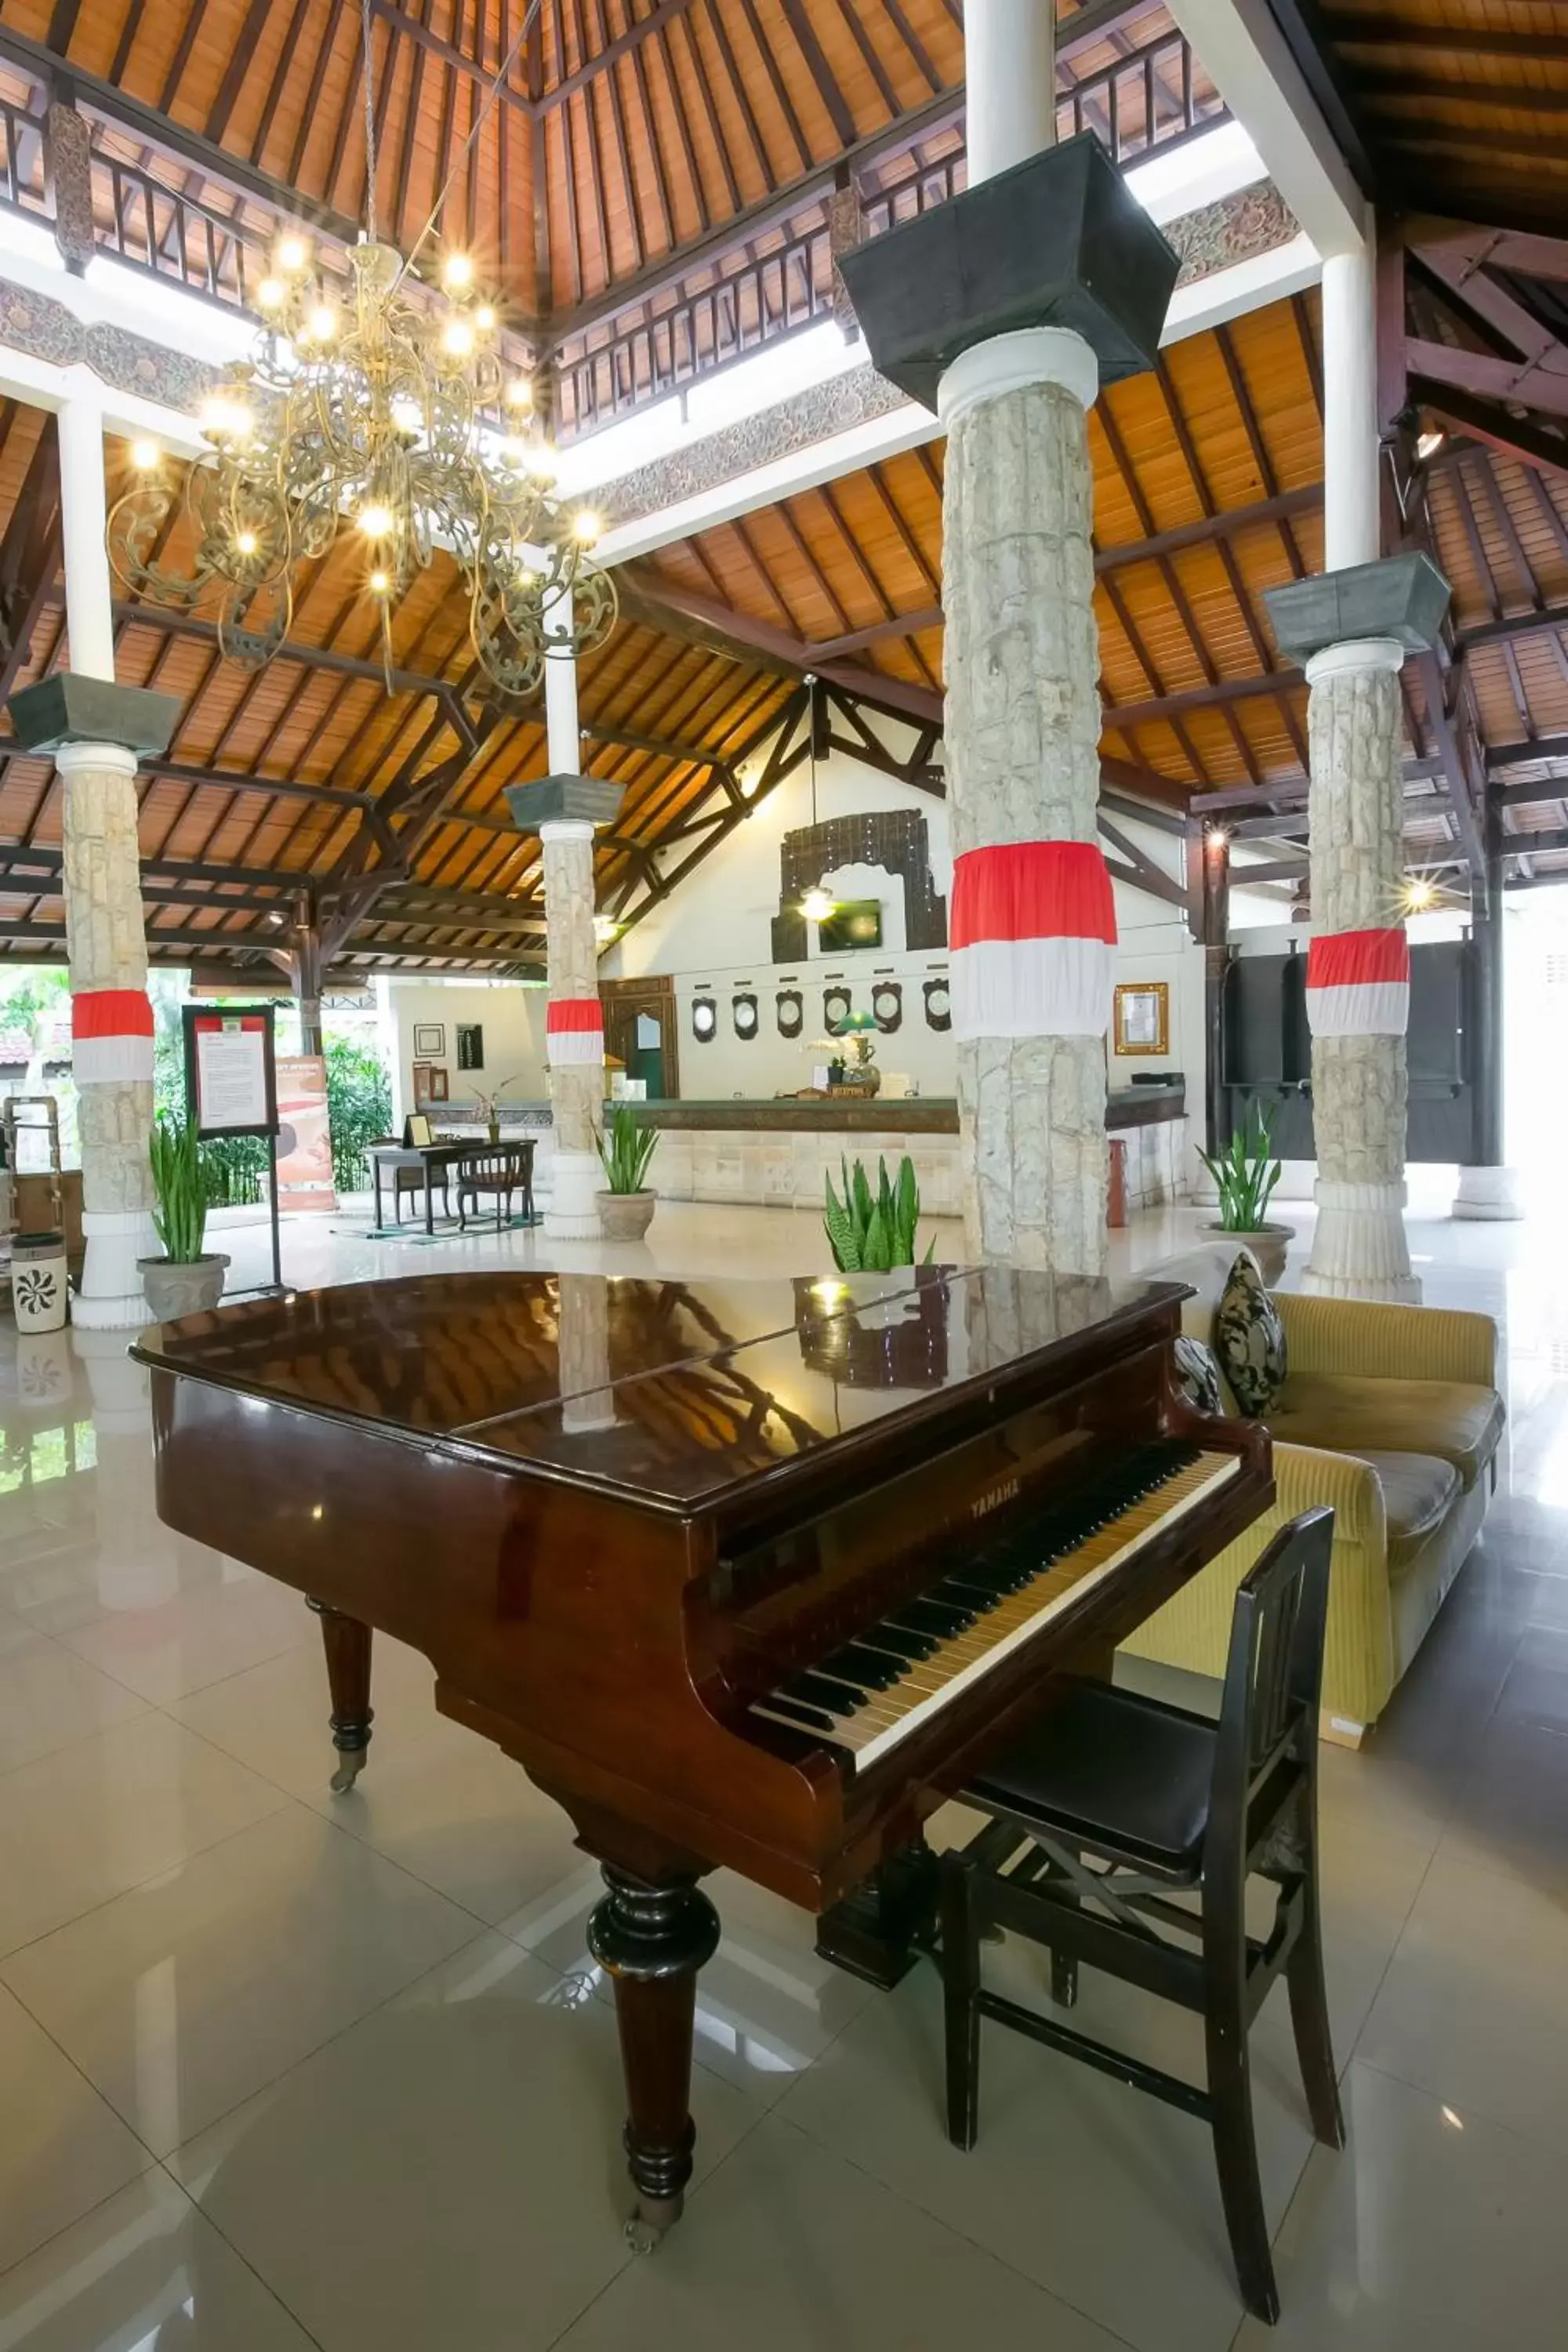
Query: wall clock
pixel 791 1012
pixel 704 1019
pixel 743 1013
pixel 888 1005
pixel 939 1004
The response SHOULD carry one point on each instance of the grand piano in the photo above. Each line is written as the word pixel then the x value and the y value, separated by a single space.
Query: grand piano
pixel 752 1573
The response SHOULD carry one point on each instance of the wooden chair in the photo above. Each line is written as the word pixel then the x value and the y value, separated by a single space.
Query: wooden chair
pixel 415 1180
pixel 1110 1804
pixel 496 1172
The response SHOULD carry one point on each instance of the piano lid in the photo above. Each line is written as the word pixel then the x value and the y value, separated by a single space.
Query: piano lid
pixel 672 1393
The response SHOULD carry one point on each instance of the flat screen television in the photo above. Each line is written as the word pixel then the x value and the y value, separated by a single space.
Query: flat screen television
pixel 854 923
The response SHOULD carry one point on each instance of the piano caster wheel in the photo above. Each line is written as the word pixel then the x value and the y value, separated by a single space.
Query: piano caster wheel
pixel 649 2224
pixel 351 1764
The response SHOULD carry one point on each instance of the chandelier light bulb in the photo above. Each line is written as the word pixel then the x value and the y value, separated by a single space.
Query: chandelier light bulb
pixel 585 529
pixel 542 462
pixel 247 542
pixel 321 321
pixel 457 273
pixel 1419 894
pixel 407 415
pixel 457 337
pixel 520 393
pixel 380 583
pixel 376 519
pixel 271 294
pixel 145 456
pixel 485 318
pixel 292 254
pixel 223 419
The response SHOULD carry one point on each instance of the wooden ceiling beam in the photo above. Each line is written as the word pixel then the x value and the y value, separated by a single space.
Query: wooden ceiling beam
pixel 171 138
pixel 623 43
pixel 1553 617
pixel 1511 436
pixel 1489 378
pixel 412 29
pixel 743 637
pixel 1403 34
pixel 1517 755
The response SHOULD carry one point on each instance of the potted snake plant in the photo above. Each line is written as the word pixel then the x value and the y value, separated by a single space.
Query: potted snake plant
pixel 1244 1175
pixel 187 1279
pixel 626 1204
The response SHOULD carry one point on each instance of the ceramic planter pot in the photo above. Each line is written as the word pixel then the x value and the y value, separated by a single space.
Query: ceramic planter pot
pixel 1268 1245
pixel 174 1289
pixel 625 1216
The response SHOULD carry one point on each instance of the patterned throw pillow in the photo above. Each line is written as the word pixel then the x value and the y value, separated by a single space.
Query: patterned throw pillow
pixel 1251 1339
pixel 1198 1377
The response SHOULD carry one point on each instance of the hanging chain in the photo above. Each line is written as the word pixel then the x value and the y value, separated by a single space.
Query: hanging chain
pixel 368 81
pixel 480 119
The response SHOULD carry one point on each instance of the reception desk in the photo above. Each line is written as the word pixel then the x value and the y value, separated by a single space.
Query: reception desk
pixel 778 1154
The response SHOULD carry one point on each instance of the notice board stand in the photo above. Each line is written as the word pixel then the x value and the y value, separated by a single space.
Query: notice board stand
pixel 231 1085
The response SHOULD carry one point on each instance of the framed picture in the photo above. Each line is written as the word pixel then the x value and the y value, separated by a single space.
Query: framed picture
pixel 430 1037
pixel 430 1082
pixel 416 1132
pixel 1142 1022
pixel 470 1045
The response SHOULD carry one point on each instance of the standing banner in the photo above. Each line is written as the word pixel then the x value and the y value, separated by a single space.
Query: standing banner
pixel 231 1085
pixel 304 1136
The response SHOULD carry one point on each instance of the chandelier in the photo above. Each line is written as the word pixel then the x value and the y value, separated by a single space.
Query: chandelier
pixel 377 412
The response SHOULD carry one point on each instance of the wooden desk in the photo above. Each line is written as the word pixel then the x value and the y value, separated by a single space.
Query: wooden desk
pixel 434 1161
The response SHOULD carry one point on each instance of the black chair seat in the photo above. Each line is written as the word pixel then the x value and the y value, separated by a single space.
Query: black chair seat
pixel 1113 1771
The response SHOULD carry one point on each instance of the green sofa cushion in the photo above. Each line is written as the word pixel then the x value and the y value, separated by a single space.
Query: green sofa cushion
pixel 1418 1491
pixel 1349 1412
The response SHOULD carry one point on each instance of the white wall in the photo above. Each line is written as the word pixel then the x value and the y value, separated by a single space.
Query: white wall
pixel 512 1018
pixel 712 936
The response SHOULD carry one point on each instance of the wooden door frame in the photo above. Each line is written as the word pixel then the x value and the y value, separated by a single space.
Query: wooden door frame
pixel 655 996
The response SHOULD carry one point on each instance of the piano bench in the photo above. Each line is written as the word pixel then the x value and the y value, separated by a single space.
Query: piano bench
pixel 1110 1803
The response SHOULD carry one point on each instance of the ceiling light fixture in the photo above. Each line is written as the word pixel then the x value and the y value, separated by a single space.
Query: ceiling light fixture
pixel 1428 445
pixel 818 905
pixel 374 409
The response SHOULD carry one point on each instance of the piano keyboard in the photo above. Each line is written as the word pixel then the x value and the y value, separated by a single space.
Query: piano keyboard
pixel 899 1674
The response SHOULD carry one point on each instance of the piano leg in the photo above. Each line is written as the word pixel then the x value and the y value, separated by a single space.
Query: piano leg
pixel 347 1645
pixel 880 1930
pixel 652 1938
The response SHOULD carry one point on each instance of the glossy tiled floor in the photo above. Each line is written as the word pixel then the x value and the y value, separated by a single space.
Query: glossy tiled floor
pixel 279 2069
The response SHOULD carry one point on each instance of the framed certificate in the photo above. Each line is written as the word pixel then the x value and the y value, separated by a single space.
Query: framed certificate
pixel 1142 1022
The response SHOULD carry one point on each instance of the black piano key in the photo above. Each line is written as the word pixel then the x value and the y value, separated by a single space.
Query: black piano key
pixel 812 1689
pixel 810 1718
pixel 903 1640
pixel 955 1587
pixel 870 1669
pixel 930 1617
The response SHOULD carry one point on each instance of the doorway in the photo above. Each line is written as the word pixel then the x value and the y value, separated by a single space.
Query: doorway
pixel 641 1034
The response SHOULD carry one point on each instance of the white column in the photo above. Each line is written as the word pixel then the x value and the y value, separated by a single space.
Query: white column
pixel 1009 67
pixel 576 1055
pixel 1351 528
pixel 105 929
pixel 1355 821
pixel 1031 984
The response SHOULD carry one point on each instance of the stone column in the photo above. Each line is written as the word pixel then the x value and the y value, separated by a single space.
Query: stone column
pixel 1358 965
pixel 563 811
pixel 1006 309
pixel 1032 921
pixel 95 730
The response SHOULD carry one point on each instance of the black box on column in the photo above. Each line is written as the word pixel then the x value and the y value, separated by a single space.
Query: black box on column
pixel 1058 241
pixel 552 800
pixel 1403 596
pixel 67 707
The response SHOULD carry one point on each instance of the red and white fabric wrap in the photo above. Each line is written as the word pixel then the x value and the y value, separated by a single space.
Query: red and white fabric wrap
pixel 1358 985
pixel 112 1036
pixel 573 1031
pixel 1032 929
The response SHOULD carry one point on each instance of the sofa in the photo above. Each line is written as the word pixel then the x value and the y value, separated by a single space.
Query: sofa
pixel 1392 1415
